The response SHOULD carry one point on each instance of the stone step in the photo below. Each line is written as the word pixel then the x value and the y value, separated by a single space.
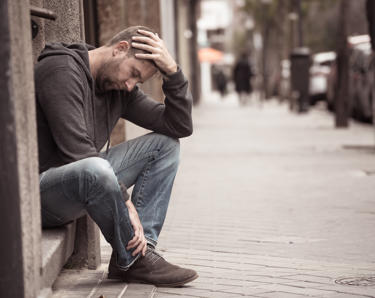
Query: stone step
pixel 57 247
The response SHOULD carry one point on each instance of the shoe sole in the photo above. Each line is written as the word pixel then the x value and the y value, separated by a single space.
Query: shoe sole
pixel 170 285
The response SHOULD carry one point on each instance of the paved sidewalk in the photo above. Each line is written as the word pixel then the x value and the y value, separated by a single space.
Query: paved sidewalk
pixel 266 204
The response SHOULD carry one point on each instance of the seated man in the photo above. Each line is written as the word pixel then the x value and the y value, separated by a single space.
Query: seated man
pixel 81 92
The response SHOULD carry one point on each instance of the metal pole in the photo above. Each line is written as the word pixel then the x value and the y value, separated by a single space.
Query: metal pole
pixel 342 88
pixel 42 13
pixel 194 64
pixel 300 24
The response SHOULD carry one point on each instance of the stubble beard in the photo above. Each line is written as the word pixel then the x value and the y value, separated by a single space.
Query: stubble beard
pixel 104 77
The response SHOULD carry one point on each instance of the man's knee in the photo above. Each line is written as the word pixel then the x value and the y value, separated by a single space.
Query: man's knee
pixel 168 144
pixel 98 172
pixel 169 151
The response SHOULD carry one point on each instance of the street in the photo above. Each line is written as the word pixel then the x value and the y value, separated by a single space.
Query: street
pixel 266 203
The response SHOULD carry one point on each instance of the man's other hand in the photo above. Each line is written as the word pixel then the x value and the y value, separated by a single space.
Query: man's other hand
pixel 158 52
pixel 139 241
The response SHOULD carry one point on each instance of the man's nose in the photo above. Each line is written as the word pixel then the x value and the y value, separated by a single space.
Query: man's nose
pixel 130 84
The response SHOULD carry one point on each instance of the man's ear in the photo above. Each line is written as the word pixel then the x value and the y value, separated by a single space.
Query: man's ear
pixel 121 48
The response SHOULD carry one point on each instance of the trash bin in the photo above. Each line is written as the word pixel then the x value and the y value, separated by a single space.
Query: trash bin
pixel 300 76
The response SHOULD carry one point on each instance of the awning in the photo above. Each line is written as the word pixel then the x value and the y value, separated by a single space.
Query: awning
pixel 209 55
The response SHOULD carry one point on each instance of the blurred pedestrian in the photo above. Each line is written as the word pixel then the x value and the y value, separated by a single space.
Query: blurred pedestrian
pixel 242 74
pixel 221 82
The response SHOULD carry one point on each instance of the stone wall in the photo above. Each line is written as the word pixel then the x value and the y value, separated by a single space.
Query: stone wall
pixel 19 188
pixel 69 28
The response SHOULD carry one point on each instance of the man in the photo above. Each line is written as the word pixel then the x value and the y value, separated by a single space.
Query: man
pixel 81 92
pixel 242 74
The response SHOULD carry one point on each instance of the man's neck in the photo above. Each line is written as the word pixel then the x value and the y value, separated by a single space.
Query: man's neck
pixel 96 56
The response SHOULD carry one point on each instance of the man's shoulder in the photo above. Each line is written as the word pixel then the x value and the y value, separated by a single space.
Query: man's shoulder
pixel 54 63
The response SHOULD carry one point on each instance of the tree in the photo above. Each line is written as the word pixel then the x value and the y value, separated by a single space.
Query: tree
pixel 342 87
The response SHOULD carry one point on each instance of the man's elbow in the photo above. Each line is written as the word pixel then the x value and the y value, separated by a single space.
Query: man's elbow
pixel 186 131
pixel 189 132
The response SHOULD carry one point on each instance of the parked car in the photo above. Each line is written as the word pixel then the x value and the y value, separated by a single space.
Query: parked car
pixel 319 71
pixel 361 79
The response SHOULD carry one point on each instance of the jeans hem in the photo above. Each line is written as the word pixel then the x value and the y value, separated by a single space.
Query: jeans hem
pixel 125 268
pixel 152 242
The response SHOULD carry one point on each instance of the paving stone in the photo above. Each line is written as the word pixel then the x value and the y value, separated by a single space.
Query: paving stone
pixel 311 278
pixel 308 291
pixel 344 295
pixel 283 295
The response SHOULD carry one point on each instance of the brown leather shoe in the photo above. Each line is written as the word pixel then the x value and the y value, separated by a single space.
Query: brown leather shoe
pixel 152 269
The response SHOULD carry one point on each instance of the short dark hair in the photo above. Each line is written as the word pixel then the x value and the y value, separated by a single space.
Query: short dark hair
pixel 127 35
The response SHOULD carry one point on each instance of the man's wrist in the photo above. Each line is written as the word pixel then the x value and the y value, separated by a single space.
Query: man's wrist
pixel 171 70
pixel 124 192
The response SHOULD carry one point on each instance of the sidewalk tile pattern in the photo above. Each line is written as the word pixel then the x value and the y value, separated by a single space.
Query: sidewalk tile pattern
pixel 267 203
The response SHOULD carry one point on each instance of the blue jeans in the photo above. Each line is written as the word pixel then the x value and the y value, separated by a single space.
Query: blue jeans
pixel 149 163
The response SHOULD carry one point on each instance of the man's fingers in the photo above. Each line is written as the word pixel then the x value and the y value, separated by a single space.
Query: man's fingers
pixel 140 248
pixel 148 33
pixel 145 47
pixel 137 250
pixel 144 249
pixel 146 40
pixel 147 56
pixel 133 244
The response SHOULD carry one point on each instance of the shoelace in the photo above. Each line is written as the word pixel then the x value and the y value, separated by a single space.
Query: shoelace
pixel 153 255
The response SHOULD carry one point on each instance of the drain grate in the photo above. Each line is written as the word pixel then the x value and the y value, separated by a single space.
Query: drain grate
pixel 356 281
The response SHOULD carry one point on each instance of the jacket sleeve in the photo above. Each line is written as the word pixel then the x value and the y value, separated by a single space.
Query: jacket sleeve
pixel 60 95
pixel 172 118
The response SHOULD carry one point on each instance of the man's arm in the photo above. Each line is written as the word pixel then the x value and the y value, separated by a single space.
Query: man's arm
pixel 173 118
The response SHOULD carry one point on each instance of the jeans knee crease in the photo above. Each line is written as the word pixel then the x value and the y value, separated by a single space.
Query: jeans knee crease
pixel 144 180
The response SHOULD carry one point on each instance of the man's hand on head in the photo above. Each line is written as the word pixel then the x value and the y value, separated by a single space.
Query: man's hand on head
pixel 158 52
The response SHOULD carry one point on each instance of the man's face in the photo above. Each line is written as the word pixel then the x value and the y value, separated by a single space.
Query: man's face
pixel 123 73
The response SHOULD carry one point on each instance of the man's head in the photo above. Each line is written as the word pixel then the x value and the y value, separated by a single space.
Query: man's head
pixel 120 69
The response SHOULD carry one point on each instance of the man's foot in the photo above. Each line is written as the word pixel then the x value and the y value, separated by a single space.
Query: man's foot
pixel 152 269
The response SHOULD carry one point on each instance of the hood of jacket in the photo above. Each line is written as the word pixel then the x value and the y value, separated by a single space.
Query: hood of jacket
pixel 79 52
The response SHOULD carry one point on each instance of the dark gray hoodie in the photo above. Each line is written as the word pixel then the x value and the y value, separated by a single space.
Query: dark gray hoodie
pixel 74 122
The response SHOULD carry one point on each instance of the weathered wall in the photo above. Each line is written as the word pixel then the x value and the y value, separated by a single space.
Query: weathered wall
pixel 168 26
pixel 39 40
pixel 114 16
pixel 187 48
pixel 184 36
pixel 111 18
pixel 68 28
pixel 20 212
